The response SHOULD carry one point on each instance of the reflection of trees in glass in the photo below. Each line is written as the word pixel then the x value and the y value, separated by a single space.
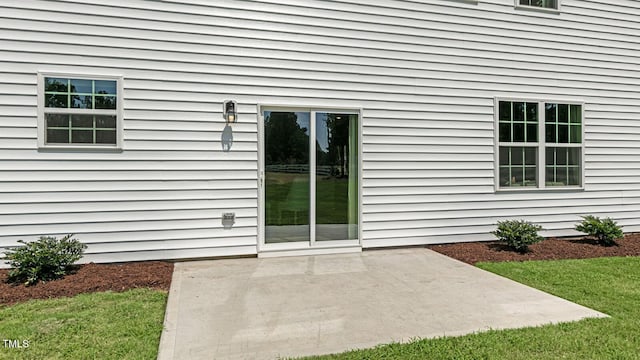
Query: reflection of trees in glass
pixel 56 85
pixel 80 93
pixel 551 4
pixel 56 101
pixel 105 102
pixel 338 139
pixel 286 141
pixel 81 101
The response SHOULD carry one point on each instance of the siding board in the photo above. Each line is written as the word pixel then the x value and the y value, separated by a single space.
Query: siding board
pixel 424 73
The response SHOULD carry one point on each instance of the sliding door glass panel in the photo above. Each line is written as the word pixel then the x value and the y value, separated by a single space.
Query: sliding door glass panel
pixel 336 176
pixel 287 198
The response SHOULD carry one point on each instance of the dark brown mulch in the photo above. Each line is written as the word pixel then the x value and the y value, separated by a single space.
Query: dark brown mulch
pixel 157 274
pixel 549 249
pixel 92 278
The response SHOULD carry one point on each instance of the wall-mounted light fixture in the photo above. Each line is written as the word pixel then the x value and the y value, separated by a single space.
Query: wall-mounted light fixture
pixel 230 110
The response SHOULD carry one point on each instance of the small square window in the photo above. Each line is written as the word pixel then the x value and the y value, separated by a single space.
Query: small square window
pixel 518 111
pixel 81 86
pixel 105 102
pixel 546 4
pixel 105 136
pixel 57 136
pixel 82 137
pixel 505 132
pixel 57 120
pixel 518 132
pixel 105 121
pixel 82 121
pixel 54 100
pixel 56 85
pixel 563 113
pixel 505 111
pixel 574 176
pixel 81 101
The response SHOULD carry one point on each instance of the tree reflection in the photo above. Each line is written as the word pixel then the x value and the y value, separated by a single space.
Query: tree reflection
pixel 286 141
pixel 335 154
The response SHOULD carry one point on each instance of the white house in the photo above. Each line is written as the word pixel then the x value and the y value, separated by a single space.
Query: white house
pixel 351 124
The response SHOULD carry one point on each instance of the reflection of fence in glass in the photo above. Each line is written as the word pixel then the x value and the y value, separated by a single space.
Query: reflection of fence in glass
pixel 289 168
pixel 325 170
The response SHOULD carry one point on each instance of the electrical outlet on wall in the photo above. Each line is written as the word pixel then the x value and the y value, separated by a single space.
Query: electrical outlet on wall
pixel 228 219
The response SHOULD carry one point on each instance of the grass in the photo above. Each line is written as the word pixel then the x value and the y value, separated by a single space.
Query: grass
pixel 102 325
pixel 287 197
pixel 609 285
pixel 128 325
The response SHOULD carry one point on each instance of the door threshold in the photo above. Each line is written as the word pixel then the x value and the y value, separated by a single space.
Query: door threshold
pixel 265 253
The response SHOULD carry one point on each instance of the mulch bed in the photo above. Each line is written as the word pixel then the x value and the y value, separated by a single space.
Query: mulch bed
pixel 549 249
pixel 157 274
pixel 92 278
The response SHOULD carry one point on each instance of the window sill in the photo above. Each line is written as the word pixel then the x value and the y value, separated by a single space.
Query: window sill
pixel 536 189
pixel 538 9
pixel 79 148
pixel 473 2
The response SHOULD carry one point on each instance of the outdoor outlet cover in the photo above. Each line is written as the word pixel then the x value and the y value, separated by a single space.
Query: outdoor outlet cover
pixel 228 219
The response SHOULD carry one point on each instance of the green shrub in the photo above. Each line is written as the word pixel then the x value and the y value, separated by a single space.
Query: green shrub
pixel 518 234
pixel 606 231
pixel 45 259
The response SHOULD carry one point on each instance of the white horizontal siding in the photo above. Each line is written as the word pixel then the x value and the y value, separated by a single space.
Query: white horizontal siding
pixel 425 74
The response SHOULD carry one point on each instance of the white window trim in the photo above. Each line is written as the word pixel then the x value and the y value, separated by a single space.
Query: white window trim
pixel 43 146
pixel 537 8
pixel 540 145
pixel 472 2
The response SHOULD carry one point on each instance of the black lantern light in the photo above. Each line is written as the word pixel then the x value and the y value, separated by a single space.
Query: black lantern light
pixel 230 110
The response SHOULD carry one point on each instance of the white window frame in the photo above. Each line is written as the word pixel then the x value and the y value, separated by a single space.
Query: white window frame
pixel 471 2
pixel 42 126
pixel 541 145
pixel 538 8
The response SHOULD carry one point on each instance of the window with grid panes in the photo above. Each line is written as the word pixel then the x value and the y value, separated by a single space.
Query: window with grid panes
pixel 80 111
pixel 563 150
pixel 539 144
pixel 546 4
pixel 518 135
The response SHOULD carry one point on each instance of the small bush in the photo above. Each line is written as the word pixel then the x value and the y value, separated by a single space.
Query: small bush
pixel 606 231
pixel 43 260
pixel 518 234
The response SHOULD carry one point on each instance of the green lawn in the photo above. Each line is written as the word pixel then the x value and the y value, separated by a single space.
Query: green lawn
pixel 88 326
pixel 287 198
pixel 610 285
pixel 128 325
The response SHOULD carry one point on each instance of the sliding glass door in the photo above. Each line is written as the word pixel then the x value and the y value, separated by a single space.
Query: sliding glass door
pixel 336 177
pixel 310 176
pixel 287 176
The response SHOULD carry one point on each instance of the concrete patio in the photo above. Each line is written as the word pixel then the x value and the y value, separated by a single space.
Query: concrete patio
pixel 267 308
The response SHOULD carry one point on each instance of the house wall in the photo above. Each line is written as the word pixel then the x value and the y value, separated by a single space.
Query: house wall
pixel 425 74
